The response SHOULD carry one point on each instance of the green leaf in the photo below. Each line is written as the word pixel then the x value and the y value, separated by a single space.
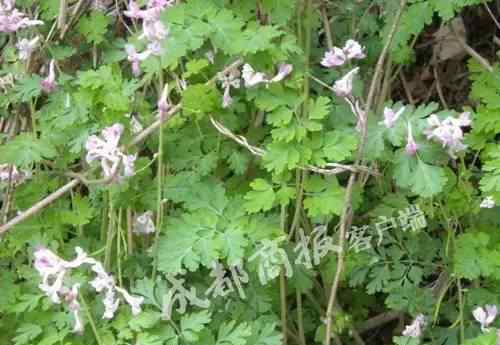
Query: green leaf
pixel 423 179
pixel 229 334
pixel 261 198
pixel 474 259
pixel 25 150
pixel 238 162
pixel 281 156
pixel 194 67
pixel 280 116
pixel 320 108
pixel 145 320
pixel 94 26
pixel 200 99
pixel 26 333
pixel 28 88
pixel 339 145
pixel 324 197
pixel 194 323
pixel 81 213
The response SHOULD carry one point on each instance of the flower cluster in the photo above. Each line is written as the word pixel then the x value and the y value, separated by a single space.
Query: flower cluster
pixel 343 88
pixel 53 271
pixel 416 328
pixel 106 150
pixel 153 29
pixel 250 77
pixel 339 56
pixel 485 316
pixel 12 20
pixel 449 131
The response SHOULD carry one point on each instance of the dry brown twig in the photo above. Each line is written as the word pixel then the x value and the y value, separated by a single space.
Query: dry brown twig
pixel 329 169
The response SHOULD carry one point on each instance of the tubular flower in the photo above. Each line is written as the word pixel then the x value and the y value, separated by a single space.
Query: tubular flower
pixel 415 329
pixel 338 57
pixel 49 84
pixel 411 145
pixel 27 47
pixel 391 117
pixel 12 20
pixel 343 87
pixel 106 150
pixel 253 78
pixel 163 104
pixel 449 131
pixel 136 58
pixel 485 316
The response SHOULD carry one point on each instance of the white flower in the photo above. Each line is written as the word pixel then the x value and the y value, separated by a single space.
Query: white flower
pixel 134 302
pixel 488 202
pixel 136 58
pixel 448 131
pixel 415 329
pixel 27 47
pixel 144 223
pixel 354 50
pixel 106 151
pixel 390 117
pixel 485 316
pixel 343 87
pixel 252 78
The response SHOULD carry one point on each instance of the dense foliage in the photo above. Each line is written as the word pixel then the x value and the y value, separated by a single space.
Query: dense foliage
pixel 245 173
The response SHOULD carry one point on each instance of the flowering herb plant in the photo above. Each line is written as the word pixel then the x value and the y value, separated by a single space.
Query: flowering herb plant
pixel 215 166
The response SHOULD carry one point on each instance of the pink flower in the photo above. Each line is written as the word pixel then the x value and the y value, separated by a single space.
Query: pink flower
pixel 10 174
pixel 343 87
pixel 390 117
pixel 338 57
pixel 485 316
pixel 333 58
pixel 49 84
pixel 133 301
pixel 411 145
pixel 283 72
pixel 12 20
pixel 415 329
pixel 136 58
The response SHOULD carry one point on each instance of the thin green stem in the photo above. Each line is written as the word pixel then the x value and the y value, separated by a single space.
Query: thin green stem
pixel 91 320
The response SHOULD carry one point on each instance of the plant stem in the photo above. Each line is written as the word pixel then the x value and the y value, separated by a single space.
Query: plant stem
pixel 91 320
pixel 346 217
pixel 283 303
pixel 159 191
